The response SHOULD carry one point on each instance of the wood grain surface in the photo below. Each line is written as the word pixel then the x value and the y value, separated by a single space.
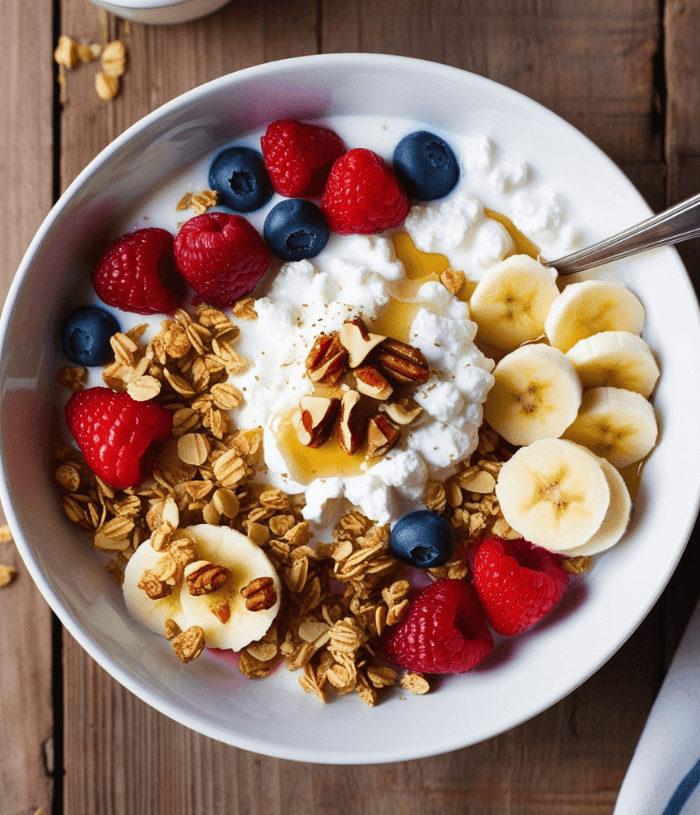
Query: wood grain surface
pixel 74 741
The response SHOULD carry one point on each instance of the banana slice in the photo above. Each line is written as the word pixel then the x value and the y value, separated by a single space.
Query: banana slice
pixel 554 494
pixel 616 359
pixel 150 613
pixel 614 423
pixel 511 301
pixel 222 614
pixel 589 307
pixel 536 395
pixel 246 561
pixel 616 518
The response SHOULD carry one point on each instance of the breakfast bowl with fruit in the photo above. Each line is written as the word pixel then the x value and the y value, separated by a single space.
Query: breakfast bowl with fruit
pixel 311 442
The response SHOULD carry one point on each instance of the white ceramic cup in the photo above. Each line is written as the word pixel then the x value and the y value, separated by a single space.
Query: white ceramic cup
pixel 161 12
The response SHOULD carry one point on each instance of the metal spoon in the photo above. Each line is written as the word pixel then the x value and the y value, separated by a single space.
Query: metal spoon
pixel 679 223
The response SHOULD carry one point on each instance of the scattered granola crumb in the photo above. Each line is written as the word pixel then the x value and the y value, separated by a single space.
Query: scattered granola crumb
pixel 198 202
pixel 576 565
pixel 415 683
pixel 243 309
pixel 72 377
pixel 66 52
pixel 5 534
pixel 113 58
pixel 107 87
pixel 172 629
pixel 189 644
pixel 453 280
pixel 7 574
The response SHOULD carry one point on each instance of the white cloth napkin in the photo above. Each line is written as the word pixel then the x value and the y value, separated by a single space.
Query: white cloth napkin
pixel 664 775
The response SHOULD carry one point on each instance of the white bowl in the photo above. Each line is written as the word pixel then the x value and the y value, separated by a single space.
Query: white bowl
pixel 161 12
pixel 273 716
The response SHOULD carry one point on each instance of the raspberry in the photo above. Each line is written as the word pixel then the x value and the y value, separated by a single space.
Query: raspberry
pixel 362 196
pixel 115 433
pixel 221 256
pixel 444 631
pixel 518 583
pixel 137 273
pixel 299 157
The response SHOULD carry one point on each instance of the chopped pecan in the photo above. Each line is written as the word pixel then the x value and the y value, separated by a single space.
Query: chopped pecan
pixel 351 428
pixel 382 435
pixel 222 611
pixel 402 362
pixel 259 594
pixel 206 579
pixel 315 418
pixel 359 342
pixel 404 412
pixel 325 363
pixel 372 383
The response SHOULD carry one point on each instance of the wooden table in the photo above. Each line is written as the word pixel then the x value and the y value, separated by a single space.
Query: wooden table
pixel 71 739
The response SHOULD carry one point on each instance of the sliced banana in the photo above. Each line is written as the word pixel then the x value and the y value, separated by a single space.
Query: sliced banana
pixel 246 561
pixel 614 423
pixel 616 518
pixel 617 359
pixel 536 394
pixel 222 614
pixel 150 613
pixel 589 307
pixel 511 301
pixel 553 494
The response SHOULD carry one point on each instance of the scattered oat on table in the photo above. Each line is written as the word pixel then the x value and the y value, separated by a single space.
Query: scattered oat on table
pixel 7 574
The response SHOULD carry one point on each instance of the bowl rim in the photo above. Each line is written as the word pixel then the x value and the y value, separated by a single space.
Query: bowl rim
pixel 72 624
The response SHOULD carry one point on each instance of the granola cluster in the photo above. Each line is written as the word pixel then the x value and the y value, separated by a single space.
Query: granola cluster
pixel 338 597
pixel 202 474
pixel 70 53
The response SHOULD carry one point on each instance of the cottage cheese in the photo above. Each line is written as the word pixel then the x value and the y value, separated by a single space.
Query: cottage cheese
pixel 356 278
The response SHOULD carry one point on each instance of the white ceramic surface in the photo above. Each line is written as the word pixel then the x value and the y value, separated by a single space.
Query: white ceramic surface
pixel 161 12
pixel 272 716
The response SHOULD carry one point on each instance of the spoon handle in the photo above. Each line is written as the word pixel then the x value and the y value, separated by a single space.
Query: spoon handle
pixel 679 223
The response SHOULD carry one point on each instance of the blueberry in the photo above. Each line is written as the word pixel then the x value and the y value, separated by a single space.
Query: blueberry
pixel 426 165
pixel 86 335
pixel 238 174
pixel 423 539
pixel 295 229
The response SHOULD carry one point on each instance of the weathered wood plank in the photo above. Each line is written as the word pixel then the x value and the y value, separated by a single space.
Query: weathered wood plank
pixel 682 29
pixel 26 99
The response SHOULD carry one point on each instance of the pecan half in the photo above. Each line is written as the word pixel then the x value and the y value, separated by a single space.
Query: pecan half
pixel 351 428
pixel 359 342
pixel 206 579
pixel 325 363
pixel 402 362
pixel 259 594
pixel 315 418
pixel 222 611
pixel 382 435
pixel 372 382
